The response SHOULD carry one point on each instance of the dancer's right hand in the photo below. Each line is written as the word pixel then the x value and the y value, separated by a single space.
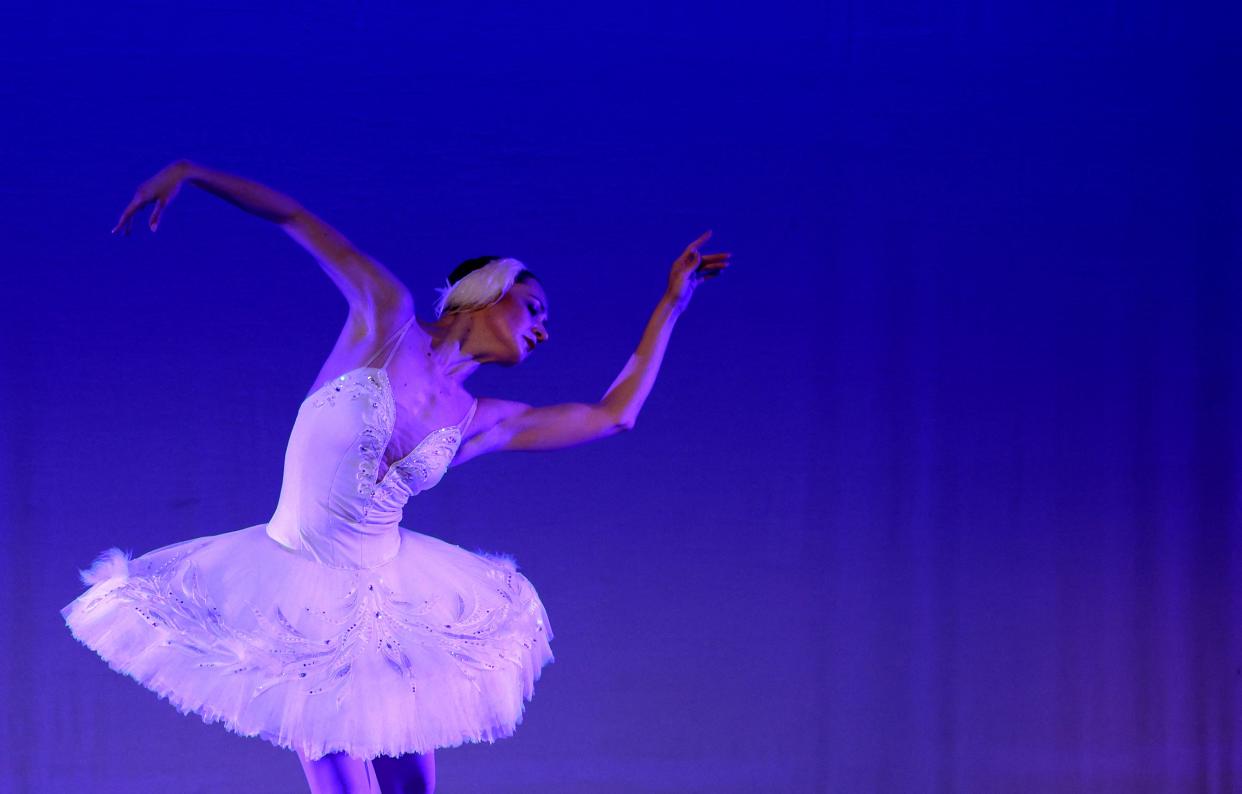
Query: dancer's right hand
pixel 160 189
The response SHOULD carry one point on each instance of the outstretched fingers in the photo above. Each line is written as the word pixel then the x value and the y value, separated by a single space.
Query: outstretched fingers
pixel 154 220
pixel 127 216
pixel 123 224
pixel 702 239
pixel 713 265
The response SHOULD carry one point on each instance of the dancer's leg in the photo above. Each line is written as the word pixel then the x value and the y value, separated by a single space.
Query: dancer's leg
pixel 412 773
pixel 338 773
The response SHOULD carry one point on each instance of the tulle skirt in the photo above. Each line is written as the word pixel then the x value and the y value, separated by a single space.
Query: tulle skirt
pixel 437 647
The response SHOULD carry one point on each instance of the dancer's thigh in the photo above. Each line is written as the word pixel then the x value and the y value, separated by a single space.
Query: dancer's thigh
pixel 338 773
pixel 412 773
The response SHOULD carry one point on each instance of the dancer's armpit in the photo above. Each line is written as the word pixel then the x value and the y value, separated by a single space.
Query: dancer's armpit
pixel 519 427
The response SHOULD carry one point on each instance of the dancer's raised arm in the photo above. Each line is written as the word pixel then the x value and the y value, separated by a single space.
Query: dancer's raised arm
pixel 516 426
pixel 367 285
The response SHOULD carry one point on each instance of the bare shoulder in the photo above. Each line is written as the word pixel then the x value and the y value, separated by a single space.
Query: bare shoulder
pixel 365 336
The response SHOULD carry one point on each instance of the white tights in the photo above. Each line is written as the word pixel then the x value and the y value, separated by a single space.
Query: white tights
pixel 338 773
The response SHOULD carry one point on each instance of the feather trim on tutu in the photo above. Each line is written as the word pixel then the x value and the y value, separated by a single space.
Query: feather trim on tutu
pixel 499 557
pixel 111 564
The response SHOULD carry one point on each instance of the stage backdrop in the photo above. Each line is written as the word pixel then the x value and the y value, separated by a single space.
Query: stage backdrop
pixel 938 489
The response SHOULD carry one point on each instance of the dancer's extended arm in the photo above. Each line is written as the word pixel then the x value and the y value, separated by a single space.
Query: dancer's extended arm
pixel 367 285
pixel 521 427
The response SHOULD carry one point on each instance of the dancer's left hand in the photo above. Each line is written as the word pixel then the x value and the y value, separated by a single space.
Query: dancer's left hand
pixel 693 268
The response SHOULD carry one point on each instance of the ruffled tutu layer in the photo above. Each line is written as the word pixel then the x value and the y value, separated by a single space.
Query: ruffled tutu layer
pixel 437 647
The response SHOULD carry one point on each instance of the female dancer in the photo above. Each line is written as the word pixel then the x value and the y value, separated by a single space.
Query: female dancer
pixel 330 630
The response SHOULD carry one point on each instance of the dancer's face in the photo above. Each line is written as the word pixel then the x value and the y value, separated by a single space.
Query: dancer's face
pixel 518 321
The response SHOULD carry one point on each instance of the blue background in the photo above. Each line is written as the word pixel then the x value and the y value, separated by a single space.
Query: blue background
pixel 938 489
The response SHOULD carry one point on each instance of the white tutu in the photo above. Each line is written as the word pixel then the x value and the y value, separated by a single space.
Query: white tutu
pixel 434 647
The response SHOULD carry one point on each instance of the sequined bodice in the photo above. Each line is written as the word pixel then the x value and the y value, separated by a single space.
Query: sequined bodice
pixel 332 506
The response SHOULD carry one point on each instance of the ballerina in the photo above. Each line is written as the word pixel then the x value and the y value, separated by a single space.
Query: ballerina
pixel 330 630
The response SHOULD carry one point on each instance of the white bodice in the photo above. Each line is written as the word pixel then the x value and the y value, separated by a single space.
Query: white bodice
pixel 332 507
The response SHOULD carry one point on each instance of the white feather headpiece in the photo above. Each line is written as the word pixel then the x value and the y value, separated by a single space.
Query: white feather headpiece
pixel 479 288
